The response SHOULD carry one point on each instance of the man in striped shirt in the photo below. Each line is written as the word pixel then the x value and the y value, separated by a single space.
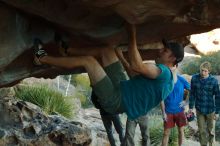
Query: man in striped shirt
pixel 206 98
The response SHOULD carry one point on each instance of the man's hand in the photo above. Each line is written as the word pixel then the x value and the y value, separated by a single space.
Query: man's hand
pixel 119 53
pixel 164 117
pixel 216 116
pixel 183 104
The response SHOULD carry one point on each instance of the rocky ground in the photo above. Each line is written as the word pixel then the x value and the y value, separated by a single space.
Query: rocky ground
pixel 91 119
pixel 23 123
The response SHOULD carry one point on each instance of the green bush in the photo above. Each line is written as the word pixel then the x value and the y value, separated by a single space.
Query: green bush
pixel 192 67
pixel 85 102
pixel 50 101
pixel 156 130
pixel 83 89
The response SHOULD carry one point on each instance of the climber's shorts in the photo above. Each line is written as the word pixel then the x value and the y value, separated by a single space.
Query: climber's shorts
pixel 108 89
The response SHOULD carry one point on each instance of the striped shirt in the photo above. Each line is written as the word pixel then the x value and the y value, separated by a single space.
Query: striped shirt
pixel 204 94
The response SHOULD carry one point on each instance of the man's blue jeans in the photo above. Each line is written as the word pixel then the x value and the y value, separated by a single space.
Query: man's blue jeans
pixel 130 131
pixel 107 122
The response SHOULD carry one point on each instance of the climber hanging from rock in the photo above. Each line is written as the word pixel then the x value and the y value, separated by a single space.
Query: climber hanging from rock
pixel 151 84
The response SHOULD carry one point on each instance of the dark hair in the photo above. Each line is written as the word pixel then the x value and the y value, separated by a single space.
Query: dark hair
pixel 176 48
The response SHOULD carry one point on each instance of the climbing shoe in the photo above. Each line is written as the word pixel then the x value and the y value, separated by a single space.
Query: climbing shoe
pixel 38 51
pixel 38 48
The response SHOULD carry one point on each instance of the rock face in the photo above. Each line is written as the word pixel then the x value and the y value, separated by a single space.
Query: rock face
pixel 87 24
pixel 210 41
pixel 23 123
pixel 91 117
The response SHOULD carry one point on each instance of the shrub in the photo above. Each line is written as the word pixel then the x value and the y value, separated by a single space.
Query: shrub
pixel 85 102
pixel 192 67
pixel 82 84
pixel 49 100
pixel 156 130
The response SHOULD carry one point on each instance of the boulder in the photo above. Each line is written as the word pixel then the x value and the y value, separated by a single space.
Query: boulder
pixel 90 23
pixel 23 123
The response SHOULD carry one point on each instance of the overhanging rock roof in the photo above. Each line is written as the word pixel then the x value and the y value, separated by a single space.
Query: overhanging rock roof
pixel 88 23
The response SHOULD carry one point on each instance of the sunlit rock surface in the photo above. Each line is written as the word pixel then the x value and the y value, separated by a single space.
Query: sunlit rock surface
pixel 207 42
